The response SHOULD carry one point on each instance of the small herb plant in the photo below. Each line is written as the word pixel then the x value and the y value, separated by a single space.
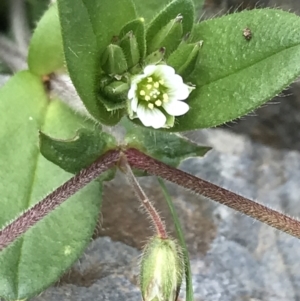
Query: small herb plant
pixel 150 68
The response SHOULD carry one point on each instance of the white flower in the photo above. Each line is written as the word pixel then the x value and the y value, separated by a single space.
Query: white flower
pixel 155 96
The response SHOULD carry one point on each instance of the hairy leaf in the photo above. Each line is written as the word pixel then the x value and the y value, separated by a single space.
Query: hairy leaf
pixel 83 58
pixel 79 152
pixel 44 252
pixel 167 147
pixel 236 74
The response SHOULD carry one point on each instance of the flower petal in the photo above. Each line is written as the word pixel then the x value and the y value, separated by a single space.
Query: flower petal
pixel 176 108
pixel 182 92
pixel 164 71
pixel 132 91
pixel 134 104
pixel 154 117
pixel 149 70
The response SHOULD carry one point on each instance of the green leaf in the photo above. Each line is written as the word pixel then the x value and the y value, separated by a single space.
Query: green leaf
pixel 148 9
pixel 107 18
pixel 79 152
pixel 183 7
pixel 169 148
pixel 180 235
pixel 83 58
pixel 46 51
pixel 233 75
pixel 44 252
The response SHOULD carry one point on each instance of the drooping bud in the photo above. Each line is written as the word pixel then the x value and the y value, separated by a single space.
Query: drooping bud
pixel 169 36
pixel 155 57
pixel 113 60
pixel 162 270
pixel 116 92
pixel 130 48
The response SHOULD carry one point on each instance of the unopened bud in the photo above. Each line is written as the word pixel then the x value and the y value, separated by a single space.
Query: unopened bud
pixel 113 60
pixel 162 270
pixel 116 94
pixel 184 58
pixel 169 36
pixel 130 48
pixel 155 57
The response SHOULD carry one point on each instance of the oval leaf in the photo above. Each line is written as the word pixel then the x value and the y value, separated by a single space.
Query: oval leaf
pixel 79 152
pixel 46 51
pixel 235 75
pixel 43 253
pixel 82 58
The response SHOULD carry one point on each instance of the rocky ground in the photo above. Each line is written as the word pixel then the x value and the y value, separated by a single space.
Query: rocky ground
pixel 233 257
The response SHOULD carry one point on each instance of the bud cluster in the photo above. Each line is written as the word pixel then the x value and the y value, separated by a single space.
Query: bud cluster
pixel 126 83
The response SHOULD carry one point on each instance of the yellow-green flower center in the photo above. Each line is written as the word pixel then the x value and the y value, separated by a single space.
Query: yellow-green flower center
pixel 152 92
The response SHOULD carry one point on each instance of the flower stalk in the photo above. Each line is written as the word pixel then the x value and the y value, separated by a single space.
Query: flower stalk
pixel 142 197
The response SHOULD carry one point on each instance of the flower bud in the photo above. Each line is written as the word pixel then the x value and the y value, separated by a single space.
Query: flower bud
pixel 162 270
pixel 169 36
pixel 130 48
pixel 116 94
pixel 113 60
pixel 184 58
pixel 155 57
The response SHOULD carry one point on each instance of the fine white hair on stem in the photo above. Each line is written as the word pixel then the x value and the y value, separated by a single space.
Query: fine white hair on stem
pixel 19 24
pixel 62 86
pixel 14 59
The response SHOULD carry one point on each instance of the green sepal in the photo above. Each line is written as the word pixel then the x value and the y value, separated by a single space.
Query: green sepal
pixel 168 37
pixel 113 60
pixel 184 58
pixel 169 148
pixel 155 57
pixel 45 54
pixel 130 49
pixel 138 29
pixel 116 95
pixel 185 8
pixel 79 152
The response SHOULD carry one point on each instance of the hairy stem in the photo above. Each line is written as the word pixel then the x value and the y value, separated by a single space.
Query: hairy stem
pixel 34 214
pixel 223 196
pixel 141 195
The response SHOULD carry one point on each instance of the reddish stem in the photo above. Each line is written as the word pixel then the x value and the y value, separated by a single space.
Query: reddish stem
pixel 271 217
pixel 141 195
pixel 29 218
